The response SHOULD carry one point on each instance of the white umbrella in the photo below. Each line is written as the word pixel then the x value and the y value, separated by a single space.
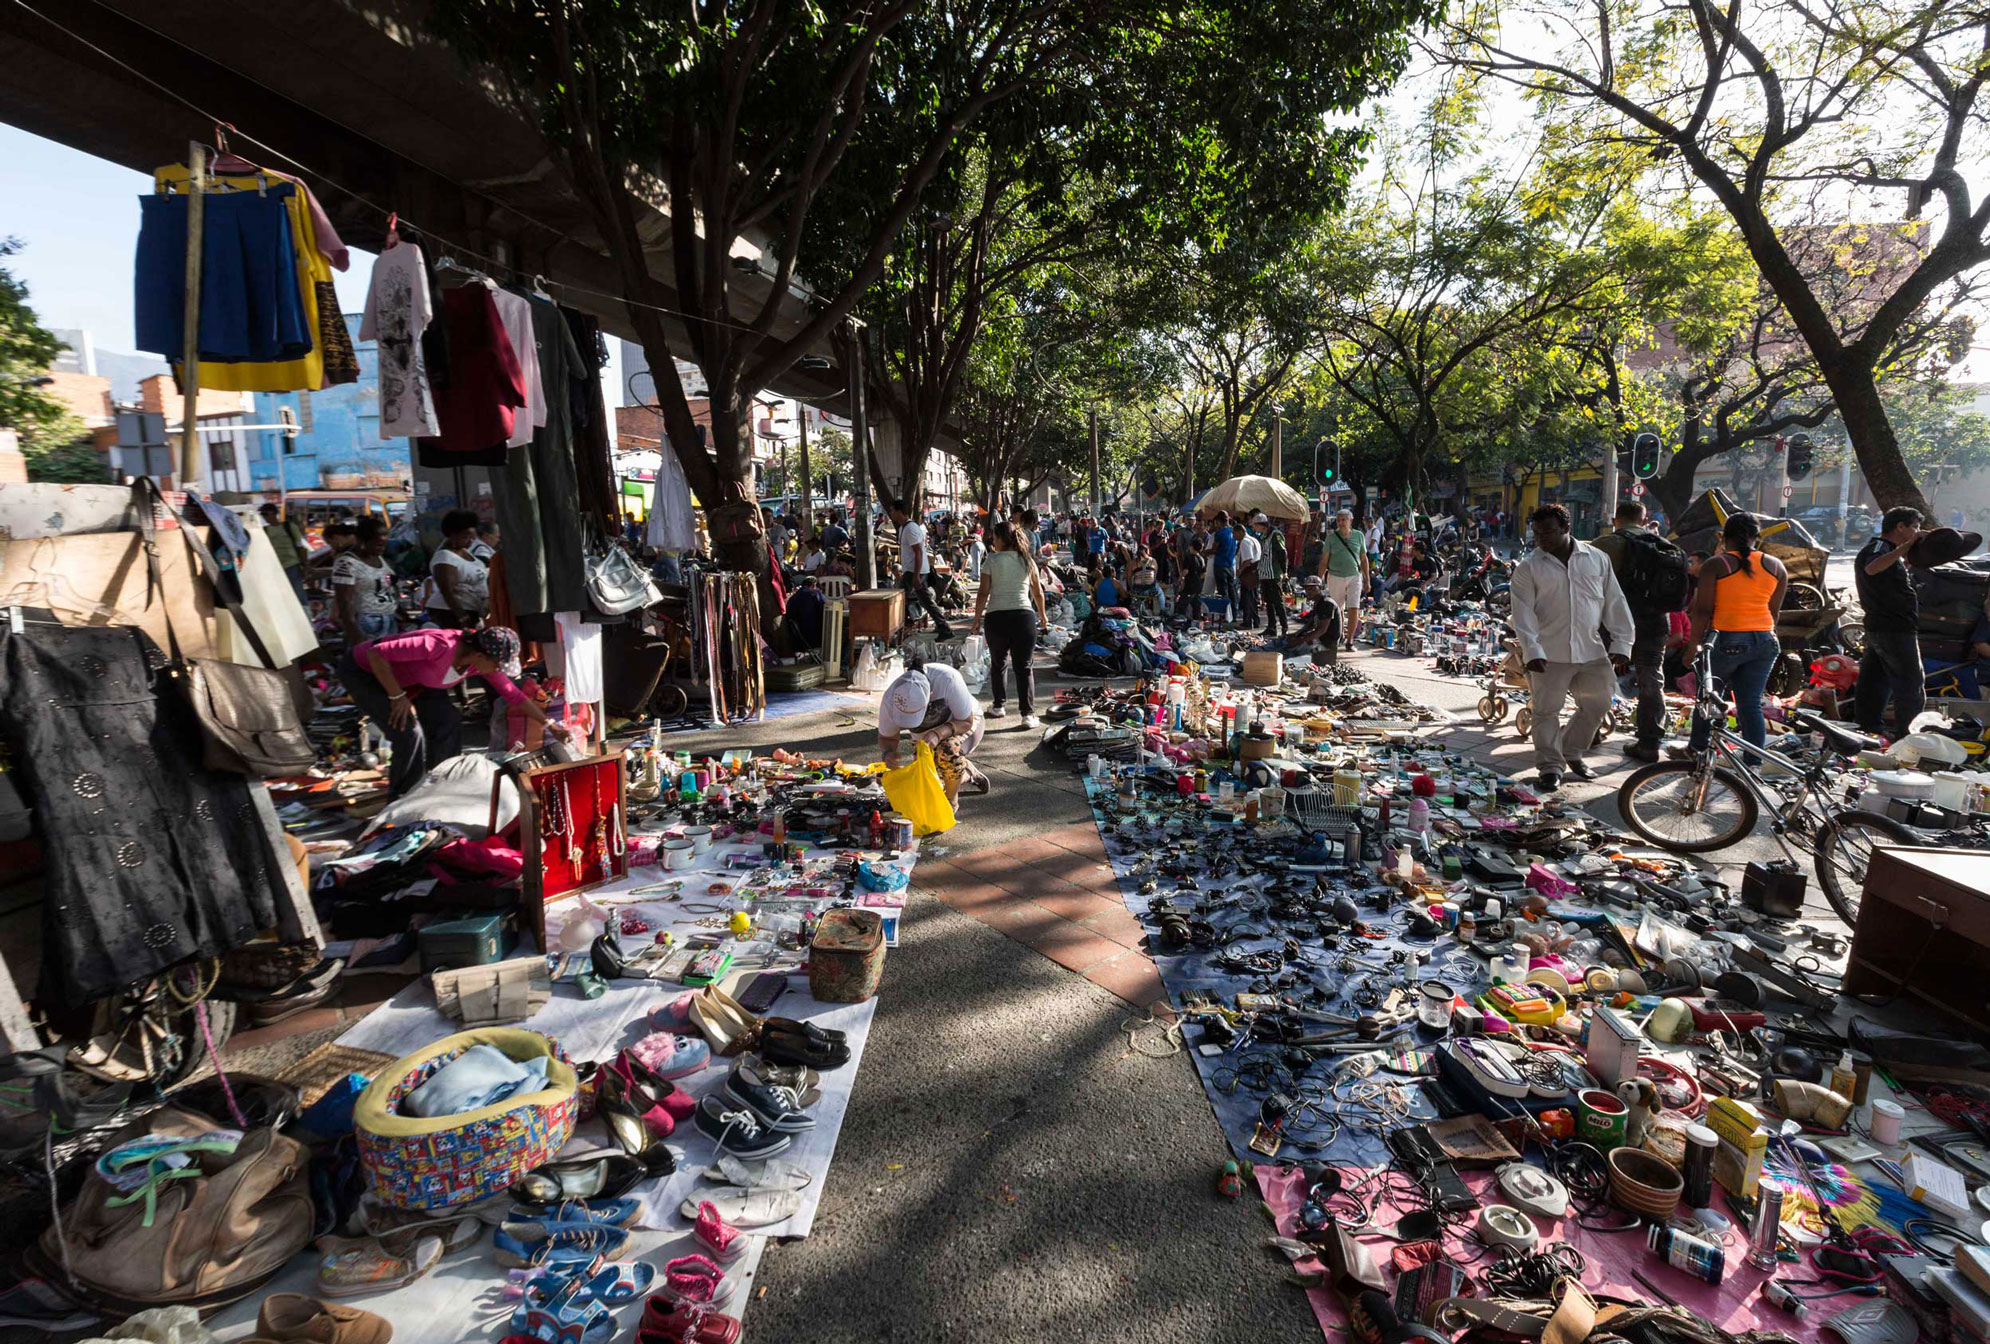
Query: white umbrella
pixel 1264 494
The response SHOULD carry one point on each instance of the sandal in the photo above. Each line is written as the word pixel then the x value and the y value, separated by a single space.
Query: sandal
pixel 368 1267
pixel 565 1317
pixel 611 1286
pixel 698 1280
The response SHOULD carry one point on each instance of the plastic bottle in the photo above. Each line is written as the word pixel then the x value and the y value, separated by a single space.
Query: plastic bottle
pixel 1419 815
pixel 1844 1077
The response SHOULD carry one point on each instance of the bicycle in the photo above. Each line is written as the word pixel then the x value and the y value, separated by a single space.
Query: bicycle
pixel 1716 796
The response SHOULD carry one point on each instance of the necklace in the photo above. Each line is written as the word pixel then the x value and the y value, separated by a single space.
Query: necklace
pixel 554 821
pixel 573 841
pixel 599 841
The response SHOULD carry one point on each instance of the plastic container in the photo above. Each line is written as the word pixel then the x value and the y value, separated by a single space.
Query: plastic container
pixel 1951 790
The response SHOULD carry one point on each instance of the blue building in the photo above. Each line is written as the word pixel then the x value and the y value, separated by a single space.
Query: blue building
pixel 338 444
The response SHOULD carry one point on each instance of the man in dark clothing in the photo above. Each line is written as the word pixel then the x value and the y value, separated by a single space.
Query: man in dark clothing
pixel 1892 662
pixel 1648 648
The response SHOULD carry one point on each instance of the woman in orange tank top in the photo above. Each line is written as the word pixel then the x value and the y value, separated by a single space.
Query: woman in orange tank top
pixel 1739 597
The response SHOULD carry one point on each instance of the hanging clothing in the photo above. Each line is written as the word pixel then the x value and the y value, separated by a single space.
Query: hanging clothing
pixel 673 521
pixel 152 860
pixel 477 405
pixel 580 648
pixel 593 431
pixel 538 493
pixel 331 360
pixel 251 307
pixel 515 310
pixel 398 312
pixel 335 250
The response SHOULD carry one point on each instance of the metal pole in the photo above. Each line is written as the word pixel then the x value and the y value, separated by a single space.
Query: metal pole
pixel 1095 460
pixel 1782 478
pixel 190 317
pixel 808 485
pixel 1277 472
pixel 860 433
pixel 1844 492
pixel 1611 486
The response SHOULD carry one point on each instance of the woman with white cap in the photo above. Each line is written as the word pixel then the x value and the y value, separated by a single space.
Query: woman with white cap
pixel 934 705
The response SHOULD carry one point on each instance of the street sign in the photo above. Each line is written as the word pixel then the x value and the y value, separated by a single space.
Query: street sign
pixel 1637 489
pixel 1788 490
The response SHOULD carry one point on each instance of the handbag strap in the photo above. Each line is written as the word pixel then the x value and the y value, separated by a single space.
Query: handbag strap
pixel 144 495
pixel 206 564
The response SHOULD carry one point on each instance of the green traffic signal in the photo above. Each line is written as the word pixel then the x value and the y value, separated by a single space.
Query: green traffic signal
pixel 1644 456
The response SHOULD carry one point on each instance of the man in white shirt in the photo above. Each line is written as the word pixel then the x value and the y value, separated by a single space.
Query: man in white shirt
pixel 915 568
pixel 1249 551
pixel 1574 628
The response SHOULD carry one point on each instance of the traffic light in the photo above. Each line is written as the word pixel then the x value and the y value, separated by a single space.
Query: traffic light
pixel 1644 456
pixel 1330 471
pixel 1799 462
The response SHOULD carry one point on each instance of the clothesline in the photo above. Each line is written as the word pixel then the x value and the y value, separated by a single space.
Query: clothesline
pixel 441 240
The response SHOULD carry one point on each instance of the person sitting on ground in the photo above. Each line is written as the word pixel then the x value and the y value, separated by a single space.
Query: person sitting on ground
pixel 805 606
pixel 1321 626
pixel 1105 589
pixel 932 703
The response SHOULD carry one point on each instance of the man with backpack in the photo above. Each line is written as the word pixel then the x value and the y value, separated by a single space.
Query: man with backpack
pixel 1653 574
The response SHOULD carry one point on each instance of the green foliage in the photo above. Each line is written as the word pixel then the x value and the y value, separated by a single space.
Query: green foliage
pixel 27 350
pixel 59 450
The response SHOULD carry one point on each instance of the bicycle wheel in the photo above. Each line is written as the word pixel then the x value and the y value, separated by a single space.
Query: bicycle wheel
pixel 1658 803
pixel 1845 847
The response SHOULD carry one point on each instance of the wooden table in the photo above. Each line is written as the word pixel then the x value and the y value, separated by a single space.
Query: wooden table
pixel 1924 930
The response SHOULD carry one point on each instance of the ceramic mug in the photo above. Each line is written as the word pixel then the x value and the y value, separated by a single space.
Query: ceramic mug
pixel 700 838
pixel 677 853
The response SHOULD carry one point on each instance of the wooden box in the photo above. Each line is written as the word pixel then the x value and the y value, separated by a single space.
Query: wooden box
pixel 1263 669
pixel 576 805
pixel 1924 929
pixel 877 613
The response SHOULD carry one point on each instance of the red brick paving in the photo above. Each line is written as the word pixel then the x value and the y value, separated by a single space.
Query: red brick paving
pixel 1054 892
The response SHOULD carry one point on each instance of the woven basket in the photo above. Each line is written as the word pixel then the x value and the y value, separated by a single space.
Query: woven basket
pixel 416 1163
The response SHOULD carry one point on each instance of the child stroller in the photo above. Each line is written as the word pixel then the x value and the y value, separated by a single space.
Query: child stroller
pixel 1509 686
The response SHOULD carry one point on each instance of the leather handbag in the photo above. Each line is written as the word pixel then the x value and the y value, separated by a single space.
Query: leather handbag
pixel 616 584
pixel 251 718
pixel 198 1240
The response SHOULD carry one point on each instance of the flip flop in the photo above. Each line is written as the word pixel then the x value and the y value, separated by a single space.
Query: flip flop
pixel 746 1208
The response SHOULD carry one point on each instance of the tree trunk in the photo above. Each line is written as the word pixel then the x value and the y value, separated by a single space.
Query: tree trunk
pixel 1873 439
pixel 1674 490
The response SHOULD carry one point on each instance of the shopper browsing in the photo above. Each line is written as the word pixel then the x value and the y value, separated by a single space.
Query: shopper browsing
pixel 1250 550
pixel 1010 605
pixel 1271 575
pixel 1891 666
pixel 460 584
pixel 402 683
pixel 915 568
pixel 364 596
pixel 1348 572
pixel 1221 548
pixel 1566 602
pixel 1654 576
pixel 287 539
pixel 1739 598
pixel 933 705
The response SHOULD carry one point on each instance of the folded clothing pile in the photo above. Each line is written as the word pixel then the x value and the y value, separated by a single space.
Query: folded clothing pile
pixel 481 1076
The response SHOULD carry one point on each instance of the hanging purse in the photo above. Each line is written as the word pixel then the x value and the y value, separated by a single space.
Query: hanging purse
pixel 616 584
pixel 251 718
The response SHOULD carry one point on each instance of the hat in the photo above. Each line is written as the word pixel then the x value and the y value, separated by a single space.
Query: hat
pixel 910 695
pixel 499 644
pixel 1939 545
pixel 1310 581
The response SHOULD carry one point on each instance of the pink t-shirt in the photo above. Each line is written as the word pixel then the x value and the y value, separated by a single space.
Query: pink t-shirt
pixel 425 659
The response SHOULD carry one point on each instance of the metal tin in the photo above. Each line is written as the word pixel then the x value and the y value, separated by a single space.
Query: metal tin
pixel 897 831
pixel 1767 1230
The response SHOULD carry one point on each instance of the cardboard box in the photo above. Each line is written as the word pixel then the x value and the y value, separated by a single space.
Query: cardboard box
pixel 1743 1143
pixel 1263 669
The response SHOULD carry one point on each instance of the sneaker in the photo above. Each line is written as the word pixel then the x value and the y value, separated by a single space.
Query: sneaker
pixel 997 712
pixel 1032 721
pixel 1638 751
pixel 779 1108
pixel 737 1130
pixel 1581 770
pixel 1547 781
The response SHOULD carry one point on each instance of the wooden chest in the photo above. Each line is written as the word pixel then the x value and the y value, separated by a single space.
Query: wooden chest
pixel 1924 930
pixel 877 613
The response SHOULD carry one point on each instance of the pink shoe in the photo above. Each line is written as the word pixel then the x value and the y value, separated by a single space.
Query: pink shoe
pixel 726 1242
pixel 675 1016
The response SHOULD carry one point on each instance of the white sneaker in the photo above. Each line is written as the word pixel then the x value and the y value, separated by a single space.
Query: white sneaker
pixel 1032 721
pixel 998 712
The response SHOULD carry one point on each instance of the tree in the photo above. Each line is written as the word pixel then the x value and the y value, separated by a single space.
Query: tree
pixel 55 443
pixel 789 140
pixel 1796 116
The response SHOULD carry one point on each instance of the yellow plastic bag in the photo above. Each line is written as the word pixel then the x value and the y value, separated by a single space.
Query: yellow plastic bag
pixel 915 792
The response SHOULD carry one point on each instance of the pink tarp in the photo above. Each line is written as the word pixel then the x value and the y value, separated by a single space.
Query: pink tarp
pixel 1736 1305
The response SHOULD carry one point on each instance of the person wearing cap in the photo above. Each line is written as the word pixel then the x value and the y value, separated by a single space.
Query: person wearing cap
pixel 1890 667
pixel 933 704
pixel 402 683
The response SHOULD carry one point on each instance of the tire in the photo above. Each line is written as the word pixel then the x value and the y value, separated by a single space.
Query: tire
pixel 1852 634
pixel 669 702
pixel 1523 722
pixel 1843 848
pixel 1489 710
pixel 1647 809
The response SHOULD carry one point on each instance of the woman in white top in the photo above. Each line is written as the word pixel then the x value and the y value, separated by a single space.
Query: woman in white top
pixel 365 596
pixel 461 591
pixel 1010 599
pixel 933 704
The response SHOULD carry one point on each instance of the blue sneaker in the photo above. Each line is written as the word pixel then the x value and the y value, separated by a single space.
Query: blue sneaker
pixel 779 1108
